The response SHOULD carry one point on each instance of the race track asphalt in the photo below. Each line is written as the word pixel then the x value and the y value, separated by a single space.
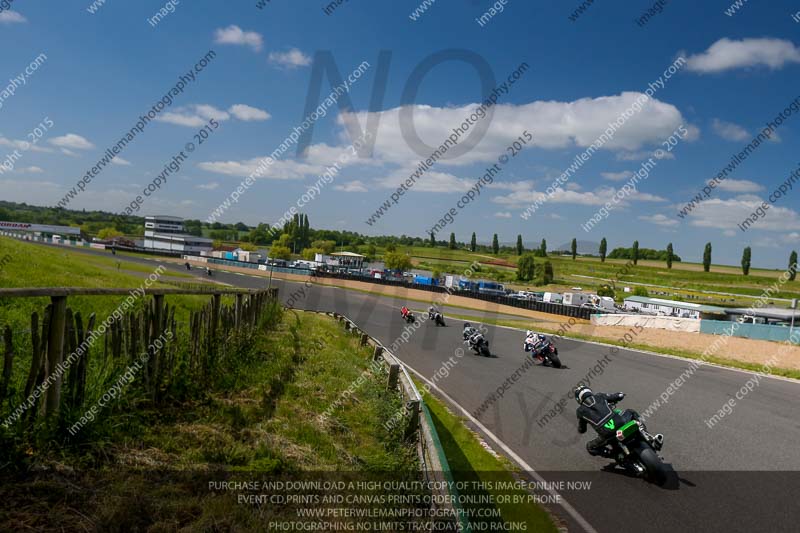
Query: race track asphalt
pixel 743 474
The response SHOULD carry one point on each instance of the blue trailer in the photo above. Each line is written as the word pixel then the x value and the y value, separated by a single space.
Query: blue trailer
pixel 425 280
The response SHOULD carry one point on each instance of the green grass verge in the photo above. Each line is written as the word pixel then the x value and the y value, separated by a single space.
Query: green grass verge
pixel 470 462
pixel 147 467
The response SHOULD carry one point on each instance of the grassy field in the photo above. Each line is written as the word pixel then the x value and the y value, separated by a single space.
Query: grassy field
pixel 470 462
pixel 152 468
pixel 32 265
pixel 146 466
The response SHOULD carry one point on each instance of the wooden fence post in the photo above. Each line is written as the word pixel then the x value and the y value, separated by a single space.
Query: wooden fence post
pixel 238 318
pixel 394 373
pixel 55 352
pixel 413 420
pixel 7 362
pixel 364 339
pixel 377 353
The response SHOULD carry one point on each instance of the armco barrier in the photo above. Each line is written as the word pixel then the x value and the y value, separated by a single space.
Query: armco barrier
pixel 435 466
pixel 544 307
pixel 766 332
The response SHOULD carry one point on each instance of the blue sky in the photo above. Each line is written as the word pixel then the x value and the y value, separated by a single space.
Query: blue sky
pixel 103 70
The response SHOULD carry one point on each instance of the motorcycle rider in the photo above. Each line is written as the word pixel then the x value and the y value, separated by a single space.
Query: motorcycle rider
pixel 534 342
pixel 404 311
pixel 594 409
pixel 469 331
pixel 431 312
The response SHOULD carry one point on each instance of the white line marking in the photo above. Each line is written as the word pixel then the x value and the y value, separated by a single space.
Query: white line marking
pixel 521 462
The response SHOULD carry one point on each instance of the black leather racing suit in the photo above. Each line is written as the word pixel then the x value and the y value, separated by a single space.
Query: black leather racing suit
pixel 595 410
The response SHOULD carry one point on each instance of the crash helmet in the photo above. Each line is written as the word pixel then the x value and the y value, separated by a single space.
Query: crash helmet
pixel 529 333
pixel 582 393
pixel 467 325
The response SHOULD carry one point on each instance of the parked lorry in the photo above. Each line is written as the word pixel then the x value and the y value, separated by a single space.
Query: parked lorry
pixel 425 280
pixel 482 286
pixel 576 298
pixel 606 302
pixel 552 297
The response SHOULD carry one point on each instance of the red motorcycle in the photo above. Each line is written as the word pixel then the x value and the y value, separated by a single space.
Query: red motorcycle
pixel 546 353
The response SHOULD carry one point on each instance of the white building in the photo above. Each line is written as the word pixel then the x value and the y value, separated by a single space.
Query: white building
pixel 42 232
pixel 659 306
pixel 166 233
pixel 341 260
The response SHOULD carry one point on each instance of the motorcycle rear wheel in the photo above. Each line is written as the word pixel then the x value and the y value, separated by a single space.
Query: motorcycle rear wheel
pixel 555 361
pixel 656 471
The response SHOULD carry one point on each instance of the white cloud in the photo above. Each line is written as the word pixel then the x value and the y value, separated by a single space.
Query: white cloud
pixel 433 182
pixel 292 59
pixel 729 131
pixel 660 220
pixel 193 116
pixel 558 125
pixel 68 152
pixel 512 185
pixel 732 185
pixel 726 54
pixel 600 196
pixel 11 17
pixel 31 170
pixel 646 197
pixel 208 186
pixel 727 214
pixel 23 145
pixel 121 162
pixel 643 155
pixel 503 214
pixel 209 112
pixel 351 186
pixel 235 35
pixel 278 170
pixel 248 113
pixel 617 176
pixel 71 141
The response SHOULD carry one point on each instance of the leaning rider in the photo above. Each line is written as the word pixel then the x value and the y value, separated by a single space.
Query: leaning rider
pixel 431 312
pixel 534 342
pixel 594 409
pixel 469 331
pixel 404 311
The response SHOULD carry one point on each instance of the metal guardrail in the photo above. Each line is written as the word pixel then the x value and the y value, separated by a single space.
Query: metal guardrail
pixel 543 307
pixel 436 468
pixel 28 292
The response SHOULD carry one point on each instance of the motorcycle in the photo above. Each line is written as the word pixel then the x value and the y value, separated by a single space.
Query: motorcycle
pixel 479 344
pixel 437 318
pixel 547 354
pixel 208 272
pixel 409 317
pixel 188 266
pixel 635 449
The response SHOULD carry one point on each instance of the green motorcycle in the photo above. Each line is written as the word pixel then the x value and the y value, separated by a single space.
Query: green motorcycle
pixel 635 449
